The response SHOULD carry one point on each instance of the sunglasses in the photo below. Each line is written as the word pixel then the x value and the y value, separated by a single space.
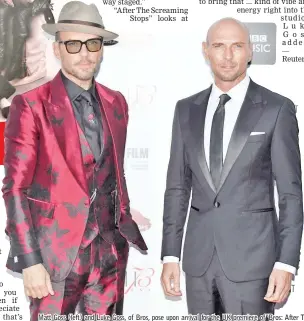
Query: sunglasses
pixel 74 46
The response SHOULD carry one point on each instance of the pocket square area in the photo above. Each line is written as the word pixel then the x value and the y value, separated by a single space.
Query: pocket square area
pixel 257 133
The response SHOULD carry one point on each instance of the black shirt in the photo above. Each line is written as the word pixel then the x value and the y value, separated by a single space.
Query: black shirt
pixel 74 92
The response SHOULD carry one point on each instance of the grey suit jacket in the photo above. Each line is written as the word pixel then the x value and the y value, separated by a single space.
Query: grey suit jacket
pixel 239 218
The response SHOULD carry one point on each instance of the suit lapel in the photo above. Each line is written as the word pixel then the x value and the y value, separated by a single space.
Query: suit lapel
pixel 249 115
pixel 197 126
pixel 60 113
pixel 110 111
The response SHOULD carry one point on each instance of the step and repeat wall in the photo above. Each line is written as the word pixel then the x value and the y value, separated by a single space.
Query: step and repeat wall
pixel 156 61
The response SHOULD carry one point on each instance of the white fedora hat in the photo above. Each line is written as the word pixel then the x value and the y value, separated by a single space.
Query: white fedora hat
pixel 79 17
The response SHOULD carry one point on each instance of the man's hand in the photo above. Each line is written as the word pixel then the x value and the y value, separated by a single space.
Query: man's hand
pixel 279 286
pixel 37 282
pixel 170 279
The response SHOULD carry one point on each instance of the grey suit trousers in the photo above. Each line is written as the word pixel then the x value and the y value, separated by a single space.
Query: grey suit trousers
pixel 214 293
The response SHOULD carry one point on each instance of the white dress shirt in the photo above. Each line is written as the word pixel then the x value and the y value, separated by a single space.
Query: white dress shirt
pixel 232 109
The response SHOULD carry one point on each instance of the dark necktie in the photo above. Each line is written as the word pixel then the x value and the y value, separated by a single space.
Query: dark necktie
pixel 90 122
pixel 88 111
pixel 216 140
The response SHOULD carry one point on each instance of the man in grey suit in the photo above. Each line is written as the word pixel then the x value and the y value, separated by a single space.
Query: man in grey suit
pixel 230 143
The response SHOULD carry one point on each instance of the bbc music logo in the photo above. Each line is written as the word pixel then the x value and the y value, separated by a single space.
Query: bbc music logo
pixel 263 39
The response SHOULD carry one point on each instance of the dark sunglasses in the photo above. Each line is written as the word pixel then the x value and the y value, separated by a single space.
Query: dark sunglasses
pixel 74 46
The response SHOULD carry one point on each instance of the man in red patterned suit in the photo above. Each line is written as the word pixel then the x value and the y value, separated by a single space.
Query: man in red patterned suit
pixel 67 204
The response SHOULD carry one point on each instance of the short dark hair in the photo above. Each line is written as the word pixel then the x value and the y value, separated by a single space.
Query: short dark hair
pixel 57 36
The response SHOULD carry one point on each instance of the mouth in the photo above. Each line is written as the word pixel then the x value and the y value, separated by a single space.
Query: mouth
pixel 85 64
pixel 228 67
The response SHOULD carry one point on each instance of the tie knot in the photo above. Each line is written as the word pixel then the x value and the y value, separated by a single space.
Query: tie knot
pixel 87 96
pixel 224 98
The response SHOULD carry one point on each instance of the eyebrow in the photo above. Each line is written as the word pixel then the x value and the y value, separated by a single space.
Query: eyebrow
pixel 234 43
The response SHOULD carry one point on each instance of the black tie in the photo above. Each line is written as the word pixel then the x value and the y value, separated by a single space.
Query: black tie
pixel 216 140
pixel 90 122
pixel 88 111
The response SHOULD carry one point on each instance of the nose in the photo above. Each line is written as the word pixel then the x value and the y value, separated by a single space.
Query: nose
pixel 83 51
pixel 228 53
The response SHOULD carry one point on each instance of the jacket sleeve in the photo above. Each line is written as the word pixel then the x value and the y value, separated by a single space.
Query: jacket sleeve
pixel 177 194
pixel 286 166
pixel 20 153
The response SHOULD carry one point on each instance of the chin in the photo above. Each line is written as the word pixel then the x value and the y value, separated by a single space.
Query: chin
pixel 84 75
pixel 228 77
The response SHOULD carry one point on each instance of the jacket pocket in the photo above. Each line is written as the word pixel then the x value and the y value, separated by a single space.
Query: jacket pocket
pixel 256 138
pixel 260 210
pixel 41 208
pixel 195 208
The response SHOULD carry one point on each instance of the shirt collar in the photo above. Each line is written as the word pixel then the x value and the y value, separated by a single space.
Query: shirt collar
pixel 236 93
pixel 74 90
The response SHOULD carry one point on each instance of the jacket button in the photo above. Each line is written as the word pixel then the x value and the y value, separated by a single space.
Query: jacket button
pixel 217 204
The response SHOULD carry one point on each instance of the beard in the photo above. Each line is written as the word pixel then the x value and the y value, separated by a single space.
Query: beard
pixel 83 73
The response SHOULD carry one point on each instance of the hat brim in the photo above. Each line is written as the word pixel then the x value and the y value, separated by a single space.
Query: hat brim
pixel 52 28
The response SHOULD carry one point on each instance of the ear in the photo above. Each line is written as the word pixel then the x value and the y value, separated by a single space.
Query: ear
pixel 56 50
pixel 250 52
pixel 205 51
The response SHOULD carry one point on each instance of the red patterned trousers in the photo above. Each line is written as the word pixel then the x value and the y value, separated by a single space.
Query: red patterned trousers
pixel 95 284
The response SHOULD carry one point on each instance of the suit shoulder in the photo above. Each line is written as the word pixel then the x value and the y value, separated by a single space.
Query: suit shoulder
pixel 274 98
pixel 36 94
pixel 192 98
pixel 187 101
pixel 110 91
